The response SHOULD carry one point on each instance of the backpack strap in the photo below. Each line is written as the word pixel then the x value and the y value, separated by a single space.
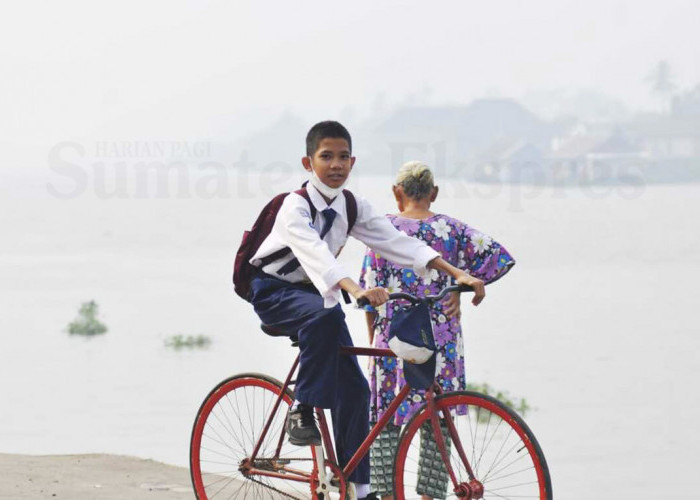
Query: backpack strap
pixel 273 206
pixel 286 250
pixel 305 194
pixel 351 208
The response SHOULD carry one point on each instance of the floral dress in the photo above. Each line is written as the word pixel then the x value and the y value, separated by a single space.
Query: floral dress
pixel 463 247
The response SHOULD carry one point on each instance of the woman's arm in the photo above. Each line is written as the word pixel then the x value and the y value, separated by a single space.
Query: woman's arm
pixel 461 277
pixel 451 305
pixel 370 316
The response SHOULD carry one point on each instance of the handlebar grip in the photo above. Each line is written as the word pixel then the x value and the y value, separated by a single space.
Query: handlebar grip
pixel 415 300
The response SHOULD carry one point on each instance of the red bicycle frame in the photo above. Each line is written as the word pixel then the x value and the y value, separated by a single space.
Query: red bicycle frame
pixel 288 473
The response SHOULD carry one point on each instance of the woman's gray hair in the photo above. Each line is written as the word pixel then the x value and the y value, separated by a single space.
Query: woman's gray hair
pixel 416 179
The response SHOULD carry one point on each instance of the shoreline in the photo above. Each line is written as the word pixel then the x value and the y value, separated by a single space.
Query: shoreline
pixel 91 476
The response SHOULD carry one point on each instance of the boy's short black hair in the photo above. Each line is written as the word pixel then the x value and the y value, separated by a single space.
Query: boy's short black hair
pixel 325 130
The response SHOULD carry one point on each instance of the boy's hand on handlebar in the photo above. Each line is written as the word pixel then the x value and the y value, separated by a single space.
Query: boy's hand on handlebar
pixel 375 296
pixel 476 284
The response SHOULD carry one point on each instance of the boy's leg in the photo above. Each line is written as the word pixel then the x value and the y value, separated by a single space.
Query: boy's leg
pixel 351 411
pixel 299 309
pixel 326 379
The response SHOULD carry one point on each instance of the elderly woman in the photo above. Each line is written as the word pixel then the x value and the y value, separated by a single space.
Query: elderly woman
pixel 460 245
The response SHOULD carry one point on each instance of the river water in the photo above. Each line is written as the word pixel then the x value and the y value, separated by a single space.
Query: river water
pixel 596 326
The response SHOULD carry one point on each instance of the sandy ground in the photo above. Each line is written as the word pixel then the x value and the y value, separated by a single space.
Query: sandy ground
pixel 83 477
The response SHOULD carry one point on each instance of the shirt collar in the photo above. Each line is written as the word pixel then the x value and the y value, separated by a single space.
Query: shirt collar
pixel 338 204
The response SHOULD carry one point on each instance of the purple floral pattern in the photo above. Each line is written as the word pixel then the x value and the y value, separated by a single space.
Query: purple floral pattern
pixel 462 246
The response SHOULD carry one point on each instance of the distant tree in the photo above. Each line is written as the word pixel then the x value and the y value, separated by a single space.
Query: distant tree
pixel 87 323
pixel 180 341
pixel 661 81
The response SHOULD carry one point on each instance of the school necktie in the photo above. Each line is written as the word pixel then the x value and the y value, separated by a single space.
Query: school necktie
pixel 328 218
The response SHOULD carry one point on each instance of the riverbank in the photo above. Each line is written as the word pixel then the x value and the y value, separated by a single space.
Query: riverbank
pixel 91 477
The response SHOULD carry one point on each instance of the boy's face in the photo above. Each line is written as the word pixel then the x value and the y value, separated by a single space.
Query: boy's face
pixel 332 161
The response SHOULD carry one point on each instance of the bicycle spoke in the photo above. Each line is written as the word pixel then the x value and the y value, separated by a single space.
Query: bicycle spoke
pixel 483 444
pixel 220 478
pixel 222 488
pixel 511 486
pixel 237 413
pixel 228 428
pixel 221 440
pixel 521 457
pixel 504 457
pixel 471 432
pixel 496 478
pixel 228 400
pixel 493 435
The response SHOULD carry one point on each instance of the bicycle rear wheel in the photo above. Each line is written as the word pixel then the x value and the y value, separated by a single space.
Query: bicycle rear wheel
pixel 225 432
pixel 500 448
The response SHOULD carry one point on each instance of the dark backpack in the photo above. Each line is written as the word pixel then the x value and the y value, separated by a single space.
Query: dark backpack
pixel 243 270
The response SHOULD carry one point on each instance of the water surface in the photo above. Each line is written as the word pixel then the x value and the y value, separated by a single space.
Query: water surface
pixel 596 326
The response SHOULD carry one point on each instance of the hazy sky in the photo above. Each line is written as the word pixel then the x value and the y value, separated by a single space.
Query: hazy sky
pixel 173 69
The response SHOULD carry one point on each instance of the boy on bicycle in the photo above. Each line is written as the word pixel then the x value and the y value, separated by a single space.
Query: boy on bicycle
pixel 299 292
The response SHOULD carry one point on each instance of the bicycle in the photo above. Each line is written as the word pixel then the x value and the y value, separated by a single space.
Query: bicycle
pixel 238 447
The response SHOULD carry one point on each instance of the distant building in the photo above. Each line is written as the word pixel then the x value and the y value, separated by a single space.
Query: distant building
pixel 457 135
pixel 672 141
pixel 668 137
pixel 687 103
pixel 498 140
pixel 584 157
pixel 279 145
pixel 511 159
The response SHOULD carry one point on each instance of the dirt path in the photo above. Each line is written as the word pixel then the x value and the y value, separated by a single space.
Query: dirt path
pixel 88 477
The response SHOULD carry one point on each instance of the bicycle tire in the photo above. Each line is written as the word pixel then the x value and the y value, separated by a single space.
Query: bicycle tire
pixel 234 414
pixel 504 458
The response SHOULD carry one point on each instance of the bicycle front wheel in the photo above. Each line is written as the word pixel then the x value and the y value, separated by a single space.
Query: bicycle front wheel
pixel 499 447
pixel 228 427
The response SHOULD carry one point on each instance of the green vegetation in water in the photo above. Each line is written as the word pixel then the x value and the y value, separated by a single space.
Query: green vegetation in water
pixel 188 341
pixel 520 405
pixel 87 323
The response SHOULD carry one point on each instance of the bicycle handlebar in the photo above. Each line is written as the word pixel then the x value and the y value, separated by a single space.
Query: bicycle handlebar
pixel 417 300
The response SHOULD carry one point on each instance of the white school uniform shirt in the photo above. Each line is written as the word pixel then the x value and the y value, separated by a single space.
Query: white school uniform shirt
pixel 294 228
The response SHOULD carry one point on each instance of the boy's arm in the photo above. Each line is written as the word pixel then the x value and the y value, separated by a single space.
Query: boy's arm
pixel 321 266
pixel 378 233
pixel 376 296
pixel 296 229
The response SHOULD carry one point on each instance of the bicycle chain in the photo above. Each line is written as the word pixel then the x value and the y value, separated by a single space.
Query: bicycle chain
pixel 274 489
pixel 295 459
pixel 283 493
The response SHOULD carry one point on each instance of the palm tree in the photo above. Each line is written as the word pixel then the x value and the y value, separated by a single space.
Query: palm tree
pixel 661 81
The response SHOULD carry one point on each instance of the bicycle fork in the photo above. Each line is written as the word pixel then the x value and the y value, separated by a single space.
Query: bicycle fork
pixel 473 490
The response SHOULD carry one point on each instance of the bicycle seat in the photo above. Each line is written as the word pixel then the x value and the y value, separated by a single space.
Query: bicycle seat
pixel 276 332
